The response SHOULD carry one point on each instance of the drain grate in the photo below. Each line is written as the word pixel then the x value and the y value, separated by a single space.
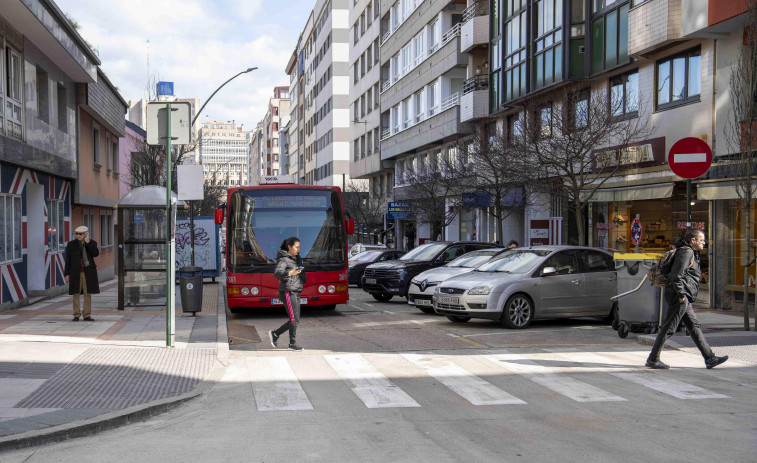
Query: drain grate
pixel 239 333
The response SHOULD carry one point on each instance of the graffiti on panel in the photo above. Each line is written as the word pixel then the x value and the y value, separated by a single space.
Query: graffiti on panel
pixel 205 243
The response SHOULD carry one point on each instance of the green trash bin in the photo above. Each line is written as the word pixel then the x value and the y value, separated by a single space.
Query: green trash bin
pixel 639 302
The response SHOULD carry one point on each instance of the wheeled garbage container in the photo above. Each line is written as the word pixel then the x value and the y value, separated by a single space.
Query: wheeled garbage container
pixel 190 281
pixel 639 302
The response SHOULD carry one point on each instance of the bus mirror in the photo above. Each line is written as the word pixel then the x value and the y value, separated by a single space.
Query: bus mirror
pixel 219 216
pixel 350 225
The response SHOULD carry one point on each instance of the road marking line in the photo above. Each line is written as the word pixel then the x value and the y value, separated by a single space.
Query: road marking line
pixel 560 383
pixel 386 311
pixel 275 386
pixel 463 383
pixel 369 384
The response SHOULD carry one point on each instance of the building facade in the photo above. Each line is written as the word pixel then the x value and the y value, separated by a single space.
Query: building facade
pixel 296 133
pixel 270 142
pixel 224 151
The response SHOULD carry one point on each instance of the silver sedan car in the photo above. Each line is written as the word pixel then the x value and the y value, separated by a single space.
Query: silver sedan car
pixel 525 284
pixel 422 285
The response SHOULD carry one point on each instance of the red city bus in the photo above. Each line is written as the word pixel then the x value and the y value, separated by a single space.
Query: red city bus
pixel 260 218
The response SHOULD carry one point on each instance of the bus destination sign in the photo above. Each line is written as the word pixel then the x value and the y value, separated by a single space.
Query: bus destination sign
pixel 290 202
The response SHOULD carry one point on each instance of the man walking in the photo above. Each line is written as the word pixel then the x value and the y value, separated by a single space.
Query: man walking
pixel 80 263
pixel 679 294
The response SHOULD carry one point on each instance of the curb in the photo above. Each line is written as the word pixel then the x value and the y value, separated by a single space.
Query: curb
pixel 648 340
pixel 133 414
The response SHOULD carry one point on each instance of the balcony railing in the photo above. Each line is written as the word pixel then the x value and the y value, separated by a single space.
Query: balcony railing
pixel 475 83
pixel 478 8
pixel 386 133
pixel 386 36
pixel 453 32
pixel 387 83
pixel 450 101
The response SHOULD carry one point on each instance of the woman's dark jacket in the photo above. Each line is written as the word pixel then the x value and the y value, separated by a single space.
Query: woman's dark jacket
pixel 73 265
pixel 284 264
pixel 684 273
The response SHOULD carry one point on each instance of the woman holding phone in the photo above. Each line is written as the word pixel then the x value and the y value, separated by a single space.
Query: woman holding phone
pixel 290 273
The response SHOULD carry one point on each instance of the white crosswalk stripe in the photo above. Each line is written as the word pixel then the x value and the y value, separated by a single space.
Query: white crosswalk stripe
pixel 370 385
pixel 275 385
pixel 467 385
pixel 558 382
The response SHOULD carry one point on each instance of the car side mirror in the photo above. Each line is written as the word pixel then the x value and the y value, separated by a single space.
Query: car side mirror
pixel 546 271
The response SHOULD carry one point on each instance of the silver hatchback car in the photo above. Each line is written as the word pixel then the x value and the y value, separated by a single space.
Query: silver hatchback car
pixel 525 284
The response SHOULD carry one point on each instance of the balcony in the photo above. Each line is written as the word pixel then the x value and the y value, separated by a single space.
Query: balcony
pixel 475 28
pixel 652 26
pixel 474 104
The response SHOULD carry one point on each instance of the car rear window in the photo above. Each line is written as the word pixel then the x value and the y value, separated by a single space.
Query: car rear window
pixel 367 256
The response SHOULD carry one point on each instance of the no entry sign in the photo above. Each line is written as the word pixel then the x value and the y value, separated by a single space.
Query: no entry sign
pixel 636 232
pixel 690 157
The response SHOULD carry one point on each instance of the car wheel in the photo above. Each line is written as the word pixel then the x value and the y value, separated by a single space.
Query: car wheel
pixel 426 309
pixel 518 312
pixel 457 318
pixel 382 297
pixel 329 307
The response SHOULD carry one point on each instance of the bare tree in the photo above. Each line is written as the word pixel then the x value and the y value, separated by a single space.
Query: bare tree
pixel 742 135
pixel 579 139
pixel 363 207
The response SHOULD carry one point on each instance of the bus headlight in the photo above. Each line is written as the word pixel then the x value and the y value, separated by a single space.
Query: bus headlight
pixel 331 288
pixel 254 291
pixel 321 289
pixel 245 291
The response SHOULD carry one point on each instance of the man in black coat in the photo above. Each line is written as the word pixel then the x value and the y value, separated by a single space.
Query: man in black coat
pixel 679 294
pixel 80 262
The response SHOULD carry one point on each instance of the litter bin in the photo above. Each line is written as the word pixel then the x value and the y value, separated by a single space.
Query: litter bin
pixel 190 281
pixel 639 302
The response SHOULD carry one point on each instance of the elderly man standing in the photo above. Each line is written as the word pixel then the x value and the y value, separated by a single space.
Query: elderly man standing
pixel 80 263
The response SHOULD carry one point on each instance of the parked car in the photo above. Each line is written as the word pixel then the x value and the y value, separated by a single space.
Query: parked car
pixel 525 284
pixel 358 263
pixel 361 247
pixel 385 280
pixel 423 285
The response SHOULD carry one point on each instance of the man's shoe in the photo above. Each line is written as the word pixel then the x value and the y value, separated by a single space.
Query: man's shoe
pixel 658 365
pixel 295 347
pixel 715 361
pixel 273 337
pixel 89 319
pixel 76 319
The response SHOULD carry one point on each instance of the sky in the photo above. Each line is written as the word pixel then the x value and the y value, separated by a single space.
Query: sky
pixel 197 44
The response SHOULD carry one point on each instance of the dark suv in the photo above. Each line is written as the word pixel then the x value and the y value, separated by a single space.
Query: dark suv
pixel 385 280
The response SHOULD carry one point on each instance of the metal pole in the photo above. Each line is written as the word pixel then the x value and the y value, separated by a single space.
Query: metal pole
pixel 192 232
pixel 688 203
pixel 169 265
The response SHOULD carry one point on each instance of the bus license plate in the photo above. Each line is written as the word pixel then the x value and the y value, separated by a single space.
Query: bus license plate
pixel 303 301
pixel 448 300
pixel 422 302
pixel 370 281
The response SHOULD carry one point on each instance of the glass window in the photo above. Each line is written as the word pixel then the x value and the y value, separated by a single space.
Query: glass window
pixel 563 262
pixel 679 79
pixel 624 97
pixel 595 261
pixel 580 110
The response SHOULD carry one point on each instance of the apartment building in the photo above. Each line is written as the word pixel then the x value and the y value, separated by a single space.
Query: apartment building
pixel 365 83
pixel 423 69
pixel 270 142
pixel 223 151
pixel 296 135
pixel 255 155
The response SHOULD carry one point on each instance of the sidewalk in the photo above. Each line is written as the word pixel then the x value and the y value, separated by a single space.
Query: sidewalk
pixel 61 379
pixel 724 332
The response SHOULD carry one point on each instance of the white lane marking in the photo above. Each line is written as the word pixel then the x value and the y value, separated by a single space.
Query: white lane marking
pixel 386 311
pixel 463 383
pixel 369 384
pixel 689 157
pixel 618 367
pixel 275 385
pixel 560 383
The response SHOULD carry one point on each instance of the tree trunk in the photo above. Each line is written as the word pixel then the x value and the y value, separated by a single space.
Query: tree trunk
pixel 747 239
pixel 579 223
pixel 500 229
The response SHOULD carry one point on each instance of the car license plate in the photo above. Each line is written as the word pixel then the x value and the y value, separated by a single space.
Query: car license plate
pixel 370 281
pixel 303 301
pixel 448 299
pixel 422 302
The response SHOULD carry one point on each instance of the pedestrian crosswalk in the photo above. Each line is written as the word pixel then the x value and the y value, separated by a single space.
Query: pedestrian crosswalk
pixel 482 378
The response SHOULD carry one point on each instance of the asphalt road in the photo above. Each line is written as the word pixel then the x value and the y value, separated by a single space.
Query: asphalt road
pixel 382 382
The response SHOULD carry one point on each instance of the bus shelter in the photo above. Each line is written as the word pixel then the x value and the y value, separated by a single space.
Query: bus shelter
pixel 142 259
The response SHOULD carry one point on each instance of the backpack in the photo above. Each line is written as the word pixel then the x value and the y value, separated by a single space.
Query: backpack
pixel 659 273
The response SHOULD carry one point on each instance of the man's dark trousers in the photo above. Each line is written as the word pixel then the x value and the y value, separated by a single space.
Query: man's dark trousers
pixel 680 312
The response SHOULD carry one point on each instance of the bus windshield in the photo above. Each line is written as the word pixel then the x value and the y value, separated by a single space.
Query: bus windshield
pixel 259 220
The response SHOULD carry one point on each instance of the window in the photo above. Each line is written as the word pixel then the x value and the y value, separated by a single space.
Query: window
pixel 579 110
pixel 406 118
pixel 610 39
pixel 356 149
pixel 43 96
pixel 108 153
pixel 10 228
pixel 418 106
pixel 62 109
pixel 679 79
pixel 595 261
pixel 115 155
pixel 624 97
pixel 564 263
pixel 12 111
pixel 544 120
pixel 96 146
pixel 395 119
pixel 548 55
pixel 419 48
pixel 55 230
pixel 433 104
pixel 434 36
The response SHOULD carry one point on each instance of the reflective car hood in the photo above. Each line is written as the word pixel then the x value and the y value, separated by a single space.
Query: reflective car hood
pixel 398 264
pixel 441 273
pixel 472 279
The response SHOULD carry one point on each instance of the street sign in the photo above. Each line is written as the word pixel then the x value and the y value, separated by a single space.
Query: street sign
pixel 690 157
pixel 399 210
pixel 181 123
pixel 165 88
pixel 138 218
pixel 636 232
pixel 191 181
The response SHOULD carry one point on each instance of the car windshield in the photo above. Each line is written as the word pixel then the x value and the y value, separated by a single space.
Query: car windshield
pixel 516 261
pixel 472 259
pixel 424 252
pixel 368 256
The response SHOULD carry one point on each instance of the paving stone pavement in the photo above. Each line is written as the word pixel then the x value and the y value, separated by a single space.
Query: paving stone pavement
pixel 56 373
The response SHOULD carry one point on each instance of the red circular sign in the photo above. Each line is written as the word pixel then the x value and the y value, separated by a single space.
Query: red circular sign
pixel 636 231
pixel 690 157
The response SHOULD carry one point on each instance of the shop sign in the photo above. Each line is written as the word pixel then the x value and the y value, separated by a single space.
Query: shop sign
pixel 694 225
pixel 539 232
pixel 399 210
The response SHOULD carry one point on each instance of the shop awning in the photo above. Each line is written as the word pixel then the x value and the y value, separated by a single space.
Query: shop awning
pixel 634 193
pixel 720 190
